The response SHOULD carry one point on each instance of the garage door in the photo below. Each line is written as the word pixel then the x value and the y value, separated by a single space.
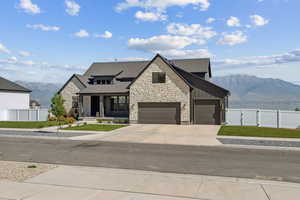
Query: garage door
pixel 207 112
pixel 159 113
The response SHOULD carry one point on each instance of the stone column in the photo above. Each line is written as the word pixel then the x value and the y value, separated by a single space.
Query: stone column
pixel 101 110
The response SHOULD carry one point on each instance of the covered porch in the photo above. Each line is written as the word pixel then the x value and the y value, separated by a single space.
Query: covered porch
pixel 104 105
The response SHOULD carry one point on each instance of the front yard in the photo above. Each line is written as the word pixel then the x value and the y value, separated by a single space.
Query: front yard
pixel 95 127
pixel 29 125
pixel 250 131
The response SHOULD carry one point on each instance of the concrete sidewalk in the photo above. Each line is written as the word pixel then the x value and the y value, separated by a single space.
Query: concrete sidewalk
pixel 86 183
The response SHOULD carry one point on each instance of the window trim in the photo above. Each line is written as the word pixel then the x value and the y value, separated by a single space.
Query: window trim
pixel 158 77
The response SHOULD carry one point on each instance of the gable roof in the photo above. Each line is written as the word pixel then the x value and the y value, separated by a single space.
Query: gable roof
pixel 200 83
pixel 82 79
pixel 165 61
pixel 190 79
pixel 6 85
pixel 132 69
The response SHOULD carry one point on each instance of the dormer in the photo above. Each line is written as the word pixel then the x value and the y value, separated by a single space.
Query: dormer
pixel 101 80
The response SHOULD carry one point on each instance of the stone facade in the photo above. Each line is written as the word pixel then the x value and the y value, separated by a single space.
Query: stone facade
pixel 68 92
pixel 173 90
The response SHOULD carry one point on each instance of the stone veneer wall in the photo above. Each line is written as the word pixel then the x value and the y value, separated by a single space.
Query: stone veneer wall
pixel 67 93
pixel 174 90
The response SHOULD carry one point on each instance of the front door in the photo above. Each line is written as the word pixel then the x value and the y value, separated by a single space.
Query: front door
pixel 95 105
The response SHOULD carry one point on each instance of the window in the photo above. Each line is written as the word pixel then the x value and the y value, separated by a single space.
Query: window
pixel 119 103
pixel 104 82
pixel 158 77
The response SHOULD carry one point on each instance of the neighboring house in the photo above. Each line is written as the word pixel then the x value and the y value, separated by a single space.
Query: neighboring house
pixel 13 96
pixel 35 104
pixel 159 91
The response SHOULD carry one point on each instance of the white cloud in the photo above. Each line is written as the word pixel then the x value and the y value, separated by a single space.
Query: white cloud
pixel 257 20
pixel 162 42
pixel 24 53
pixel 73 8
pixel 29 7
pixel 3 49
pixel 180 53
pixel 27 62
pixel 292 56
pixel 12 59
pixel 196 30
pixel 150 16
pixel 232 39
pixel 210 20
pixel 82 33
pixel 43 27
pixel 233 21
pixel 105 35
pixel 162 5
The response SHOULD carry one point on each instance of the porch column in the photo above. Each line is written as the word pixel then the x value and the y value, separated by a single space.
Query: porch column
pixel 101 102
pixel 80 106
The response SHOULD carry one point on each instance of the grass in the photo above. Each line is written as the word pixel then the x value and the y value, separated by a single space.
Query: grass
pixel 28 124
pixel 250 131
pixel 31 166
pixel 95 127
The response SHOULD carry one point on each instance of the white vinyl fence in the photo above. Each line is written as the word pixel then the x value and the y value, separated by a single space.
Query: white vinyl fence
pixel 24 115
pixel 263 118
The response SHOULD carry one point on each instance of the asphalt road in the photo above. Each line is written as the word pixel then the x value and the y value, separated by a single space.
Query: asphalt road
pixel 280 165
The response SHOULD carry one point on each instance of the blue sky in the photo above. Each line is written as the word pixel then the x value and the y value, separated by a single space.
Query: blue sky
pixel 50 40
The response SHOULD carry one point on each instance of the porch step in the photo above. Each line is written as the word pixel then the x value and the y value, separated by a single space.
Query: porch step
pixel 88 119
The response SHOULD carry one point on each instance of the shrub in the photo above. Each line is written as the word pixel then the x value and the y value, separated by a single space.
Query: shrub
pixel 61 118
pixel 69 120
pixel 51 118
pixel 99 120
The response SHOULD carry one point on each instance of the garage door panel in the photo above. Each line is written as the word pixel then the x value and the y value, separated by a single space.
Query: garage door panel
pixel 159 113
pixel 207 112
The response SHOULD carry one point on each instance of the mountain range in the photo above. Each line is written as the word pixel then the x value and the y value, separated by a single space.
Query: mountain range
pixel 246 92
pixel 264 93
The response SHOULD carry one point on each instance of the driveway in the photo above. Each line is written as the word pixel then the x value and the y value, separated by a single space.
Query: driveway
pixel 161 134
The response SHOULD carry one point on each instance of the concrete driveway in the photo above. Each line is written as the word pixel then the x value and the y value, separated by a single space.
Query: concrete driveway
pixel 160 134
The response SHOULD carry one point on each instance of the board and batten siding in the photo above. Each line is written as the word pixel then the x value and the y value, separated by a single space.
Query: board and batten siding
pixel 14 100
pixel 208 93
pixel 173 90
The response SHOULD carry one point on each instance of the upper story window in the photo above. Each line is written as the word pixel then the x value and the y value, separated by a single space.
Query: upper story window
pixel 158 77
pixel 102 82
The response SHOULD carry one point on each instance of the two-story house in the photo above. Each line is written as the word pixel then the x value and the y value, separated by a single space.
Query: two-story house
pixel 159 91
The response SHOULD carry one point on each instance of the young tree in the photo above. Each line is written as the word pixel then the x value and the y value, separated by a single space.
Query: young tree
pixel 57 106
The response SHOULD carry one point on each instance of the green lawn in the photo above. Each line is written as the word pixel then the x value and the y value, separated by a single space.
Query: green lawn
pixel 250 131
pixel 27 124
pixel 95 127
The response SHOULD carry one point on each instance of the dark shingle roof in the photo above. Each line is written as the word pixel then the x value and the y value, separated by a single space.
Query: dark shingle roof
pixel 6 85
pixel 199 83
pixel 132 69
pixel 119 87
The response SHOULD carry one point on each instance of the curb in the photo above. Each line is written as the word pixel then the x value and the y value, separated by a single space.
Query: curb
pixel 256 141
